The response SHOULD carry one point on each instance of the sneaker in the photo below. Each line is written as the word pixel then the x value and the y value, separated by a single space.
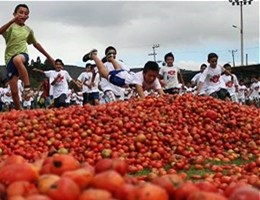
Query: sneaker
pixel 88 56
pixel 110 54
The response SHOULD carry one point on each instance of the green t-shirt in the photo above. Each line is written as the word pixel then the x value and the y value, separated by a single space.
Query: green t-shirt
pixel 16 38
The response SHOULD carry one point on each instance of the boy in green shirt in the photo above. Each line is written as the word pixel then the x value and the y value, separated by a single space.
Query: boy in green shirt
pixel 17 35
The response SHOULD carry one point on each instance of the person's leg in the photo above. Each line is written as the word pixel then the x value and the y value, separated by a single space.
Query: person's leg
pixel 92 55
pixel 110 58
pixel 15 93
pixel 214 95
pixel 19 61
pixel 96 98
pixel 62 100
pixel 56 102
pixel 85 98
pixel 223 94
pixel 101 67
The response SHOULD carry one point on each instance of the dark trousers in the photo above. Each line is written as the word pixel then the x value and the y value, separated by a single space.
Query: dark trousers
pixel 60 101
pixel 221 94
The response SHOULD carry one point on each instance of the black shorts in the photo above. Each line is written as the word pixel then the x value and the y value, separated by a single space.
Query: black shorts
pixel 11 68
pixel 171 91
pixel 221 94
pixel 60 101
pixel 114 79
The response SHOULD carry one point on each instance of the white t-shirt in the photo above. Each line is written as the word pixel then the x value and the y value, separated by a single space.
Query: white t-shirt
pixel 47 74
pixel 211 79
pixel 139 80
pixel 28 103
pixel 2 91
pixel 69 94
pixel 96 83
pixel 61 86
pixel 255 89
pixel 170 76
pixel 7 97
pixel 79 98
pixel 196 78
pixel 229 84
pixel 85 77
pixel 241 91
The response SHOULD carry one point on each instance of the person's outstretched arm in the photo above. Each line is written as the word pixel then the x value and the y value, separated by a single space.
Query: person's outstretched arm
pixel 38 70
pixel 39 47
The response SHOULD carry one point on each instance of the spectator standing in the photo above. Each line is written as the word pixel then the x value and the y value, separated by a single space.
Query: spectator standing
pixel 241 92
pixel 85 79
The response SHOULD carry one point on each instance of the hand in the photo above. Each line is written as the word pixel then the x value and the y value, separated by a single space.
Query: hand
pixel 162 82
pixel 14 19
pixel 79 84
pixel 196 93
pixel 110 56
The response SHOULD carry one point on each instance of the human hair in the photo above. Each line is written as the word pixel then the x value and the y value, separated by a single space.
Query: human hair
pixel 60 61
pixel 151 66
pixel 19 6
pixel 212 55
pixel 109 48
pixel 226 65
pixel 87 65
pixel 170 54
pixel 203 65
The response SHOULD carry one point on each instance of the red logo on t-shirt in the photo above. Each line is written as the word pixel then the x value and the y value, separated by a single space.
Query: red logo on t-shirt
pixel 60 78
pixel 215 78
pixel 171 72
pixel 229 84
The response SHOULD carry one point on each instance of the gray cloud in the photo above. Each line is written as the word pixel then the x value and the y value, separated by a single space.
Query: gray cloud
pixel 134 26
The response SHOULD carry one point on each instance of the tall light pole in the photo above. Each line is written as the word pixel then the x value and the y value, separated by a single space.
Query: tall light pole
pixel 241 3
pixel 242 43
pixel 233 55
pixel 154 53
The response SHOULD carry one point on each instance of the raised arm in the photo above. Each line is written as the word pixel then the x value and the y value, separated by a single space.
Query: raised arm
pixel 7 25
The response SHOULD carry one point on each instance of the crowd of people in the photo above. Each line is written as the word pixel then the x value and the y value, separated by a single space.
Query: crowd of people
pixel 108 79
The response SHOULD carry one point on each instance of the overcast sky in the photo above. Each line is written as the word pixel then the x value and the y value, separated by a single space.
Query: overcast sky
pixel 189 29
